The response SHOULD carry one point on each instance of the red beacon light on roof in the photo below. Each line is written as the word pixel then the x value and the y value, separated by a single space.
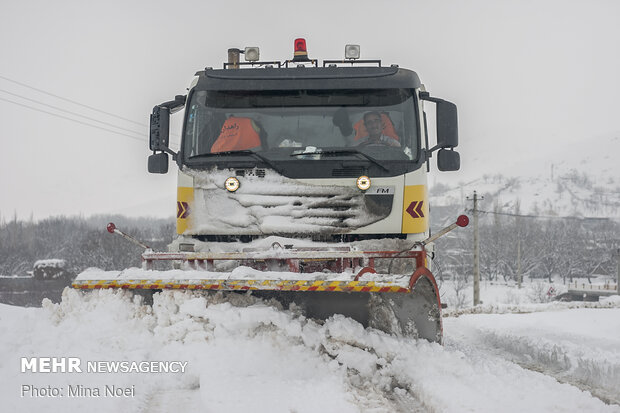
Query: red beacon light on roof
pixel 301 52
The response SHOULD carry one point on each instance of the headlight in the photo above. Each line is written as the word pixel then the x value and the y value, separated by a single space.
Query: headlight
pixel 363 182
pixel 232 184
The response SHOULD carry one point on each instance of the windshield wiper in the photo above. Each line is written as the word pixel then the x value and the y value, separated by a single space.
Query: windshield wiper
pixel 345 151
pixel 242 152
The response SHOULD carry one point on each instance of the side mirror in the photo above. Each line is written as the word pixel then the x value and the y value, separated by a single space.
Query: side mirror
pixel 447 122
pixel 160 128
pixel 448 160
pixel 158 163
pixel 447 125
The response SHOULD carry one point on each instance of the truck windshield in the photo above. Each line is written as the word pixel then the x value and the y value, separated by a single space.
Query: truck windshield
pixel 302 124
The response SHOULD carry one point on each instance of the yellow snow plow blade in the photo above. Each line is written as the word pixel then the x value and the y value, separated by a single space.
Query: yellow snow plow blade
pixel 243 285
pixel 321 282
pixel 353 272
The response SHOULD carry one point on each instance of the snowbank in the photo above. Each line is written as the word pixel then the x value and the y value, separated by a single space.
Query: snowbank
pixel 245 354
pixel 579 346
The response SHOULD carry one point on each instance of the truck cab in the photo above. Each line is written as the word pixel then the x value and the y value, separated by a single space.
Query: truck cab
pixel 336 151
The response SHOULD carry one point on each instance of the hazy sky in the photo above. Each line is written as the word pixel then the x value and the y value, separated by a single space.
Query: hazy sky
pixel 527 76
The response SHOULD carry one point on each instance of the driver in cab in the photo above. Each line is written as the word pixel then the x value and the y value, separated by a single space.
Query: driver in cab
pixel 374 125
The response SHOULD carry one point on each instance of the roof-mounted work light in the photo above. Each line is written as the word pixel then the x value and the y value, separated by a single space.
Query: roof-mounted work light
pixel 301 52
pixel 251 54
pixel 352 51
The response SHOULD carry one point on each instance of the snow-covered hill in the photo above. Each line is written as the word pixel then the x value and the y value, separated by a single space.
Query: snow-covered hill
pixel 576 180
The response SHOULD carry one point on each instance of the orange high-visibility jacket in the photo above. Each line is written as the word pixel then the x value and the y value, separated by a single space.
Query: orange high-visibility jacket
pixel 237 134
pixel 388 128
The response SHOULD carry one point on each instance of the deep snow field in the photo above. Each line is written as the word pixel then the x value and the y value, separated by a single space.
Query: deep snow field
pixel 510 354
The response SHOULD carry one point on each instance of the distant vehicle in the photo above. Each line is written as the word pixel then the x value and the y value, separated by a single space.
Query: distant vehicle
pixel 47 280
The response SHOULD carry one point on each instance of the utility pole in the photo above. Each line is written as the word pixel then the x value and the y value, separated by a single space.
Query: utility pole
pixel 518 229
pixel 618 271
pixel 476 250
pixel 519 276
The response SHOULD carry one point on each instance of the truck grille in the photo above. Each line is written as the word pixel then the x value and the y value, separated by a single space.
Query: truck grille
pixel 272 204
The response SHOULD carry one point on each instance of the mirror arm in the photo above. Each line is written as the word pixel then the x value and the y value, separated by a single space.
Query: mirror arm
pixel 427 96
pixel 434 148
pixel 174 105
pixel 169 151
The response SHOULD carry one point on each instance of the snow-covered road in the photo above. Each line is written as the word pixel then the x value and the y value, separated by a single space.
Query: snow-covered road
pixel 245 355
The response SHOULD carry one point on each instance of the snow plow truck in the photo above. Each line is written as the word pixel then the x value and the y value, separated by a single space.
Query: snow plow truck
pixel 305 182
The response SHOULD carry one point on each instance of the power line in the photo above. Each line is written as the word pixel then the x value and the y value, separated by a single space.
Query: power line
pixel 142 139
pixel 71 101
pixel 75 120
pixel 529 216
pixel 76 103
pixel 68 111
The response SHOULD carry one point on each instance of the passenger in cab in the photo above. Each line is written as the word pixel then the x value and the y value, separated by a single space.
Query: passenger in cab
pixel 376 129
pixel 237 134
